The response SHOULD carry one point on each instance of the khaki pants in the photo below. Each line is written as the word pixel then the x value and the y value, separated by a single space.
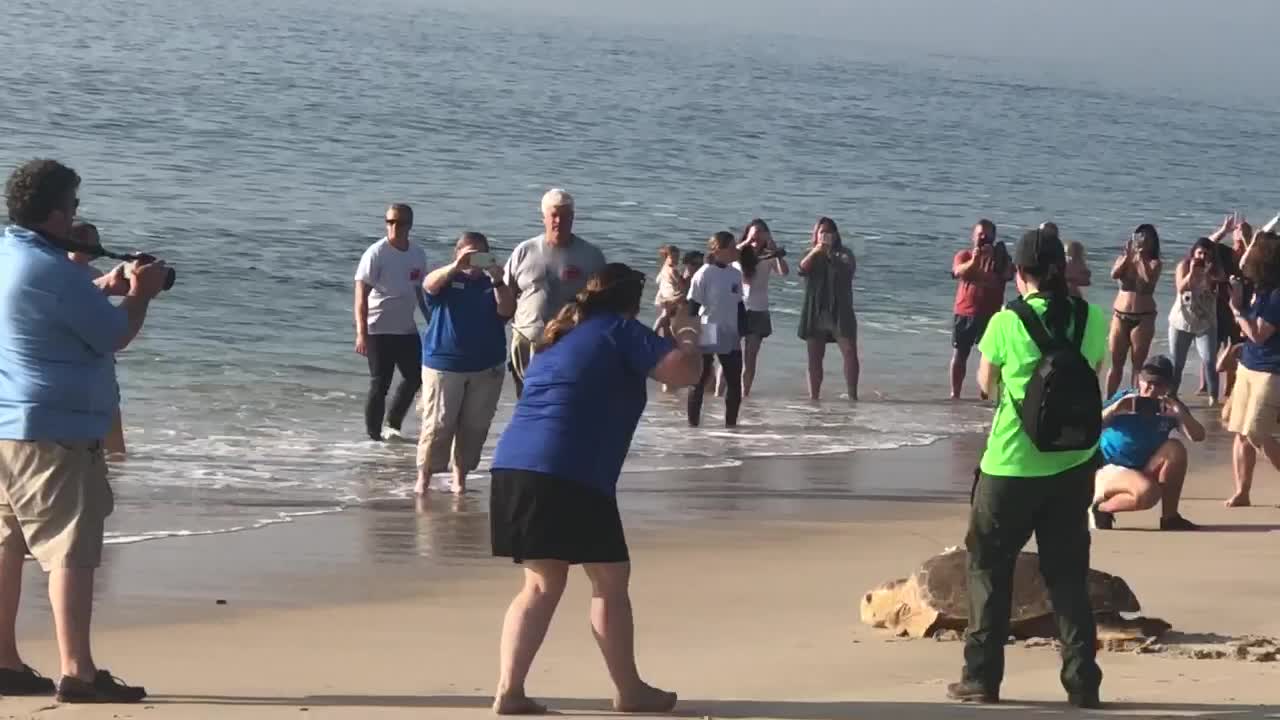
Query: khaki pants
pixel 457 410
pixel 54 501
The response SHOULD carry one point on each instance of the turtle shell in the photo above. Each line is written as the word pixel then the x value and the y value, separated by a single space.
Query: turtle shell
pixel 943 586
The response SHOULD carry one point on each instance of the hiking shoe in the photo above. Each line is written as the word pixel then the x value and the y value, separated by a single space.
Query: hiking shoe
pixel 971 692
pixel 105 688
pixel 1100 520
pixel 1177 522
pixel 1086 701
pixel 25 682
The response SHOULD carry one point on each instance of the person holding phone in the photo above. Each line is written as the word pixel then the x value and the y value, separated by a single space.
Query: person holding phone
pixel 759 258
pixel 1144 466
pixel 1134 323
pixel 827 315
pixel 554 502
pixel 1254 411
pixel 981 273
pixel 464 351
pixel 1194 315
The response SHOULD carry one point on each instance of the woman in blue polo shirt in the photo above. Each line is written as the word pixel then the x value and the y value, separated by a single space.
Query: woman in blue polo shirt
pixel 464 353
pixel 1253 414
pixel 555 474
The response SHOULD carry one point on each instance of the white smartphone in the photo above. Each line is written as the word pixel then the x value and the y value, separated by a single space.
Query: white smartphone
pixel 482 260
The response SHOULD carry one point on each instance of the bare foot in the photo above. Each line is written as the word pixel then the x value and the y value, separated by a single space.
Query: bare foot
pixel 647 699
pixel 457 488
pixel 517 705
pixel 421 487
pixel 1238 501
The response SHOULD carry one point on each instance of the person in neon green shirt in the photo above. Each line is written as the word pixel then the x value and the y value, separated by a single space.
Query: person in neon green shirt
pixel 1021 491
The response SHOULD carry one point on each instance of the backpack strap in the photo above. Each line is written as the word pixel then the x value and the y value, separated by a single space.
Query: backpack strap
pixel 1031 321
pixel 1081 319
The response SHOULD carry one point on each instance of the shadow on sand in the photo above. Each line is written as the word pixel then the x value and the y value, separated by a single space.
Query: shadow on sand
pixel 777 710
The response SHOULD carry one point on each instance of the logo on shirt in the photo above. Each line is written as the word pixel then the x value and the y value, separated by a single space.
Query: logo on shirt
pixel 415 274
pixel 571 272
pixel 737 289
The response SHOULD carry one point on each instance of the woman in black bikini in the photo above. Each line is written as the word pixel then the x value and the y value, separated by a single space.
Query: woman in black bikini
pixel 1134 324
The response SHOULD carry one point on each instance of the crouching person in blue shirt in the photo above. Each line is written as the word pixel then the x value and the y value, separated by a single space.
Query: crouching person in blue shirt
pixel 58 393
pixel 1144 466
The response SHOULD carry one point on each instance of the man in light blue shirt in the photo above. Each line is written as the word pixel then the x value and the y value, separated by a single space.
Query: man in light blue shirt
pixel 58 335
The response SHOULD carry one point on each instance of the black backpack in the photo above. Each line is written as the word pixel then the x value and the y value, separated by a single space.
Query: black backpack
pixel 1062 410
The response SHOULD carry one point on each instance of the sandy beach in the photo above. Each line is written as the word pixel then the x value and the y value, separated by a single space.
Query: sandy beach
pixel 750 611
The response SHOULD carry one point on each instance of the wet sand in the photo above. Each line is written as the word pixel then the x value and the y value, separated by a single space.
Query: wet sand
pixel 746 596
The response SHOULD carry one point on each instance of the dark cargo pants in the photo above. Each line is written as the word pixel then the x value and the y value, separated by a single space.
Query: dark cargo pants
pixel 1005 513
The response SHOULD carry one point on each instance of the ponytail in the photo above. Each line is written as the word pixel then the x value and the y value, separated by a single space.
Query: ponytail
pixel 748 260
pixel 615 289
pixel 567 319
pixel 1057 316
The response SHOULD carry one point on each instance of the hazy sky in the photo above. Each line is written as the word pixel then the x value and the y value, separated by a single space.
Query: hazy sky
pixel 1224 47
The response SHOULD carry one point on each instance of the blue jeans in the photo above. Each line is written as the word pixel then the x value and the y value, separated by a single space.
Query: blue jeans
pixel 1206 347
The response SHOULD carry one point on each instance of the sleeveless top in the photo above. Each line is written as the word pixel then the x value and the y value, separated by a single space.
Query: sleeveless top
pixel 1195 310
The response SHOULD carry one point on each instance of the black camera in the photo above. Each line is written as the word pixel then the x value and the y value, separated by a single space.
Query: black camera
pixel 171 276
pixel 84 239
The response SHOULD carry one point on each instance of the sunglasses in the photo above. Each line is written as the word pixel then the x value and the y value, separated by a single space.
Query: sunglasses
pixel 394 221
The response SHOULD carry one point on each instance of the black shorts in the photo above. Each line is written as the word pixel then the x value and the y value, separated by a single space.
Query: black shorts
pixel 968 331
pixel 534 516
pixel 758 323
pixel 1229 332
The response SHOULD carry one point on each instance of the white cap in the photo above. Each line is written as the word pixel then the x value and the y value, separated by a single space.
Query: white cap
pixel 554 198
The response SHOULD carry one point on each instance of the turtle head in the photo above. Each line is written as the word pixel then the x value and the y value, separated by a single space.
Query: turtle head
pixel 882 605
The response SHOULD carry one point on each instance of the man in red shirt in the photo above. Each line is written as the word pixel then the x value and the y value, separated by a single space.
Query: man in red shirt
pixel 982 271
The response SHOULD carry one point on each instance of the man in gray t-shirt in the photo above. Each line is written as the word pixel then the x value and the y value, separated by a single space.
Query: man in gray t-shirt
pixel 546 272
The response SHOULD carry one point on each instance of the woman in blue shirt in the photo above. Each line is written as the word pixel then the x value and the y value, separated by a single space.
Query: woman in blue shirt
pixel 1254 407
pixel 464 357
pixel 555 475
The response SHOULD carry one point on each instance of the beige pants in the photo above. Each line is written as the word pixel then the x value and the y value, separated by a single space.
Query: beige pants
pixel 54 501
pixel 457 410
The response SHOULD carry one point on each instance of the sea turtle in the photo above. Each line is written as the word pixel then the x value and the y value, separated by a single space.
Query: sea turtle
pixel 935 598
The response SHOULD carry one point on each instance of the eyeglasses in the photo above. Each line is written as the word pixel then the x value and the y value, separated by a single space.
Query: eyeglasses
pixel 393 221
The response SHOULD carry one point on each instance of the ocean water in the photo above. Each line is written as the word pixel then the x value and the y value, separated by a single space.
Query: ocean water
pixel 255 145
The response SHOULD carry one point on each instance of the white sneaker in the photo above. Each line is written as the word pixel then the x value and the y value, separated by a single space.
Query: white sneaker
pixel 391 434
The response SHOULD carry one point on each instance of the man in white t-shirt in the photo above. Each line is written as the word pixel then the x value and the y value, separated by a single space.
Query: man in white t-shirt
pixel 715 295
pixel 546 272
pixel 388 291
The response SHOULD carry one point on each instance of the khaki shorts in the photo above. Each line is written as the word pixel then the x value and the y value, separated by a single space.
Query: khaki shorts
pixel 54 501
pixel 1254 408
pixel 457 410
